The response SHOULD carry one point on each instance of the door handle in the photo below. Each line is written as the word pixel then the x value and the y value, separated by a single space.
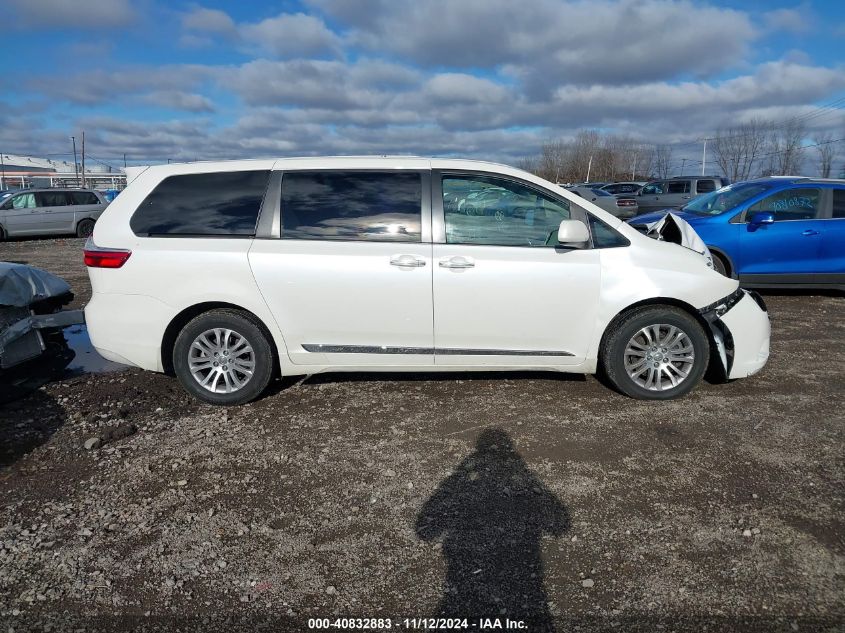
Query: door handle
pixel 458 261
pixel 407 261
pixel 809 232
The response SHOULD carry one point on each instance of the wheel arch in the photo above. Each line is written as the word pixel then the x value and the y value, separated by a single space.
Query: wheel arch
pixel 171 332
pixel 729 264
pixel 714 364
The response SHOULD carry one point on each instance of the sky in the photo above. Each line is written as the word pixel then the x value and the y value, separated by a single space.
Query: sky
pixel 489 79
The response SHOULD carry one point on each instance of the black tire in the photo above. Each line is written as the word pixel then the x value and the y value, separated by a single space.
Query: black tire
pixel 85 228
pixel 244 325
pixel 2 234
pixel 719 265
pixel 613 351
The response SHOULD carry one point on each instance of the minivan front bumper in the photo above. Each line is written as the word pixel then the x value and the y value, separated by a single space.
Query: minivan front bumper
pixel 741 332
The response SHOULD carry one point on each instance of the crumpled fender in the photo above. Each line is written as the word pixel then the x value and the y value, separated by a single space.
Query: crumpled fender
pixel 673 228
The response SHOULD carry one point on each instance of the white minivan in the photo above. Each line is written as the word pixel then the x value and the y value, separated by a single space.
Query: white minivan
pixel 230 273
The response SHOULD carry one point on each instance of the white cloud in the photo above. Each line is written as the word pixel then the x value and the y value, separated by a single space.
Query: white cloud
pixel 546 43
pixel 317 83
pixel 178 100
pixel 208 21
pixel 287 35
pixel 291 35
pixel 84 14
pixel 796 21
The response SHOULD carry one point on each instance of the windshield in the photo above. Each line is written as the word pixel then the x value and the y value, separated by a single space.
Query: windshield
pixel 601 193
pixel 724 199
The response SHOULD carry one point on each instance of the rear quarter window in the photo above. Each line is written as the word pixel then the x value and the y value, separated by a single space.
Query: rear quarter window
pixel 220 203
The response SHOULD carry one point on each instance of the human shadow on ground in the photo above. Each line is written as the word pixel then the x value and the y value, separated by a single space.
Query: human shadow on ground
pixel 491 513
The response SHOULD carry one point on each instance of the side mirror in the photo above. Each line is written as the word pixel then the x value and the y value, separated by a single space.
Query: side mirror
pixel 573 233
pixel 759 219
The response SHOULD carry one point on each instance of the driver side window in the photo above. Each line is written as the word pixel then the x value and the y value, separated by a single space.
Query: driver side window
pixel 499 212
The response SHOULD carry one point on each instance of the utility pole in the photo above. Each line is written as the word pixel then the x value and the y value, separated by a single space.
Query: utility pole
pixel 83 159
pixel 3 172
pixel 704 157
pixel 589 167
pixel 75 164
pixel 683 164
pixel 124 161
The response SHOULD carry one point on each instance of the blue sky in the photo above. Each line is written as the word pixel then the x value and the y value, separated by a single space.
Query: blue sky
pixel 480 78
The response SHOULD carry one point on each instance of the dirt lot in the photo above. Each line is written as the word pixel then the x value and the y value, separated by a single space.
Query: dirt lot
pixel 531 496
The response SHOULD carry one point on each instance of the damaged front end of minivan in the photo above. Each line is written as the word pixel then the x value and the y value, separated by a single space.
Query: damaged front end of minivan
pixel 739 325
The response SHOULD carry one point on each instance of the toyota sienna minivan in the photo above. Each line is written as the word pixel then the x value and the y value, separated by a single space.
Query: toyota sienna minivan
pixel 227 274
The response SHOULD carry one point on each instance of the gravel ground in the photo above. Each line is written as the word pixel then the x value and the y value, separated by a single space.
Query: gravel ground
pixel 537 497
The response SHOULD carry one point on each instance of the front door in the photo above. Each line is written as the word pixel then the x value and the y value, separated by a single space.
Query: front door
pixel 23 217
pixel 792 243
pixel 349 282
pixel 504 293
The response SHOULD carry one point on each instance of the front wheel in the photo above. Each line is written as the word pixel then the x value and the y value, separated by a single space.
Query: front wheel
pixel 223 357
pixel 655 353
pixel 719 265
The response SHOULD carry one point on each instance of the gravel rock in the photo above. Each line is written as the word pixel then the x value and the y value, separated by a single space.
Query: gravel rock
pixel 92 443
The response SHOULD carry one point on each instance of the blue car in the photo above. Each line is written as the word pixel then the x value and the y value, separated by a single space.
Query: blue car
pixel 782 232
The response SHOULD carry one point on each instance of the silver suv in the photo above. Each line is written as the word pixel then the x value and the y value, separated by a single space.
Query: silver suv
pixel 676 192
pixel 50 212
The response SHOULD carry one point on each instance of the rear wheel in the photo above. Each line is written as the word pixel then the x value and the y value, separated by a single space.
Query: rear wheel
pixel 655 353
pixel 223 357
pixel 85 228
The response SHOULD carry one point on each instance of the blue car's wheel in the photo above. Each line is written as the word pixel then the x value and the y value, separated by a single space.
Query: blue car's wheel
pixel 719 265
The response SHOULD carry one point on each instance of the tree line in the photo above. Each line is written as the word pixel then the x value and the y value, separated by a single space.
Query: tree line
pixel 739 152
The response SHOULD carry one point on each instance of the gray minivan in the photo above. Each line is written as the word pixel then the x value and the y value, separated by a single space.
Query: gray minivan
pixel 674 193
pixel 50 212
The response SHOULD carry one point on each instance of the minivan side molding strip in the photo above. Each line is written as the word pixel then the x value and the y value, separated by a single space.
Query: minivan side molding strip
pixel 321 348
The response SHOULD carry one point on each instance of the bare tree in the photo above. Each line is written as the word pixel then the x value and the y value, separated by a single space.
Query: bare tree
pixel 824 146
pixel 662 160
pixel 738 148
pixel 786 153
pixel 551 163
pixel 528 163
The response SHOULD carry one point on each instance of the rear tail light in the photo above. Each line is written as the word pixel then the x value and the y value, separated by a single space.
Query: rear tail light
pixel 625 202
pixel 100 257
